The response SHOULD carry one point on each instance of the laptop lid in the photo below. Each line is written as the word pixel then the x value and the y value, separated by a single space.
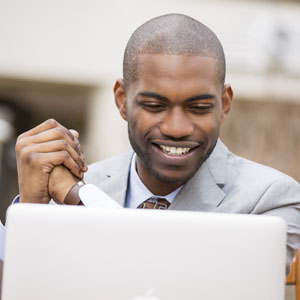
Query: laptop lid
pixel 60 252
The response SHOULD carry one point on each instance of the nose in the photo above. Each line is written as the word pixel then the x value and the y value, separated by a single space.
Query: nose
pixel 176 124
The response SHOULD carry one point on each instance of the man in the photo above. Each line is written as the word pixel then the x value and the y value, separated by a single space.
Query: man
pixel 174 99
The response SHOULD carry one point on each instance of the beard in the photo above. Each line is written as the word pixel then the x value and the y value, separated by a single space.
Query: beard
pixel 146 159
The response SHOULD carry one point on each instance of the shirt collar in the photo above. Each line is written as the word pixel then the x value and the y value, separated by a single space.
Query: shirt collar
pixel 138 192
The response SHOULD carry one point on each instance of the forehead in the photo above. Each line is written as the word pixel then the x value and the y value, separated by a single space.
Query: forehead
pixel 181 71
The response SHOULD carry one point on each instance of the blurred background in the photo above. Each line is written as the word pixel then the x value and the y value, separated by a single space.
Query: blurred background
pixel 59 59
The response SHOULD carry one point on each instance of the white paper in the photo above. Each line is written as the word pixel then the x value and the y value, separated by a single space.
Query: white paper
pixel 92 196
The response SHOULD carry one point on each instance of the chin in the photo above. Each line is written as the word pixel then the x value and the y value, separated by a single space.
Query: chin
pixel 179 177
pixel 171 179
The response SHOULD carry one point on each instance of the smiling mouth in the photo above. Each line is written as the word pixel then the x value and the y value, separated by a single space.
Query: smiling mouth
pixel 174 150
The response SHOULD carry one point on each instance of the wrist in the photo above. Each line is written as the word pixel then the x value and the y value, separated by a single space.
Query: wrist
pixel 31 199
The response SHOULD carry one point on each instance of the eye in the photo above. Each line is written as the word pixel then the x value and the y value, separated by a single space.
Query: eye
pixel 201 108
pixel 153 106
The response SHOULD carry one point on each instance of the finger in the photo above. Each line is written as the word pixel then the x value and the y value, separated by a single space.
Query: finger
pixel 81 152
pixel 57 133
pixel 49 124
pixel 83 158
pixel 55 146
pixel 52 159
pixel 76 141
pixel 75 133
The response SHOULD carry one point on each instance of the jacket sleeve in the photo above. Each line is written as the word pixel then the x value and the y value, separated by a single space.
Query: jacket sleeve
pixel 282 198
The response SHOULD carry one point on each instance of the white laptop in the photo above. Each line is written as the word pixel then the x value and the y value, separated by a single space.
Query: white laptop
pixel 60 253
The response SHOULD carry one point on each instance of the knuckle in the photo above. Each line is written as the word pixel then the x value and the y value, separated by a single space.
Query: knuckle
pixel 19 143
pixel 30 158
pixel 23 153
pixel 22 146
pixel 19 138
pixel 59 132
pixel 65 155
pixel 70 134
pixel 52 122
pixel 62 144
pixel 74 133
pixel 18 147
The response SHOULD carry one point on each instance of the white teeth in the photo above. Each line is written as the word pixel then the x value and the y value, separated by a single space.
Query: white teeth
pixel 174 150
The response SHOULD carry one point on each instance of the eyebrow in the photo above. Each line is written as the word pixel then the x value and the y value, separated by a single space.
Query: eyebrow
pixel 201 97
pixel 165 99
pixel 154 95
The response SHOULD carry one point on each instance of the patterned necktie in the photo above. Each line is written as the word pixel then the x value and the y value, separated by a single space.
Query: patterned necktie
pixel 155 203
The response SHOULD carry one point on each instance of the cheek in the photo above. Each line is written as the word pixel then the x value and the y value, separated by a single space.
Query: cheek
pixel 143 123
pixel 208 123
pixel 208 128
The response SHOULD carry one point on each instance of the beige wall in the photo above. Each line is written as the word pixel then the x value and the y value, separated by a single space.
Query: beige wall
pixel 266 132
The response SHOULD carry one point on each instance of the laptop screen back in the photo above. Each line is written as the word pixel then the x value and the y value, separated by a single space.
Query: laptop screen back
pixel 59 252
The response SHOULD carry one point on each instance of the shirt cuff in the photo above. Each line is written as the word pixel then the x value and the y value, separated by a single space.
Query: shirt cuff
pixel 92 196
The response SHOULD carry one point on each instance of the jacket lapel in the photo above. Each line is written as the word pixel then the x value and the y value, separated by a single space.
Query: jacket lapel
pixel 203 192
pixel 115 184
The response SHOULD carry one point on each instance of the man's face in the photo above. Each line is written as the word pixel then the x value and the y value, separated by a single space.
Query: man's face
pixel 174 112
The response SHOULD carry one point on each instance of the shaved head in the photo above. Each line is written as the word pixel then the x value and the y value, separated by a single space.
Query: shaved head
pixel 172 34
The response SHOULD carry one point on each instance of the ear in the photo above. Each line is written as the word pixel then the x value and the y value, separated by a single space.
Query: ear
pixel 120 98
pixel 227 97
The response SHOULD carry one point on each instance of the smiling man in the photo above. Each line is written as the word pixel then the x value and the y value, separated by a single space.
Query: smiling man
pixel 174 99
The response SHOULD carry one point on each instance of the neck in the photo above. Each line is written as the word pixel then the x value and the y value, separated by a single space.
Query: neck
pixel 154 184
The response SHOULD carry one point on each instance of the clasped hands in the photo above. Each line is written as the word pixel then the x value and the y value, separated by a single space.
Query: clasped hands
pixel 50 161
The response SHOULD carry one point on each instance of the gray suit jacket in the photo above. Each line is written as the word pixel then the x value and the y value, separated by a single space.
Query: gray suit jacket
pixel 224 183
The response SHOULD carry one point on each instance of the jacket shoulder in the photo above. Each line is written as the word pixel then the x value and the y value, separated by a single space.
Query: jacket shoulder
pixel 253 171
pixel 103 169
